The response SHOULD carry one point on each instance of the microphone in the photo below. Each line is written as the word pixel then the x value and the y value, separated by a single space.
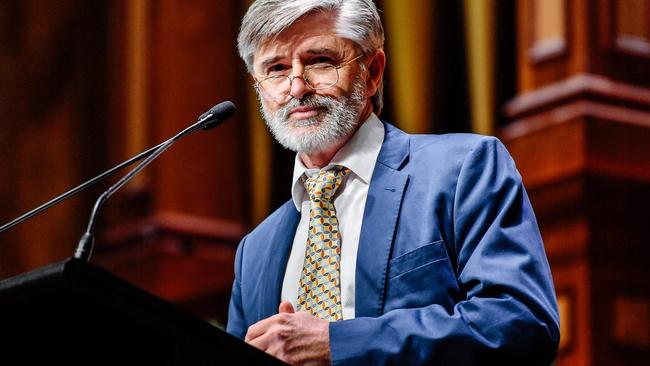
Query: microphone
pixel 210 119
pixel 217 115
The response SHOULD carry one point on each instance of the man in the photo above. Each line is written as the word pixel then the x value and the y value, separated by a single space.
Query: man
pixel 394 249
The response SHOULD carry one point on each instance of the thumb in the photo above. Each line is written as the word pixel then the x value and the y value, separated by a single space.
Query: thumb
pixel 286 307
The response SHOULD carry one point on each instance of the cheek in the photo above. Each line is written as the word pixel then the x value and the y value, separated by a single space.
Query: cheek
pixel 330 93
pixel 344 86
pixel 347 78
pixel 269 106
pixel 338 91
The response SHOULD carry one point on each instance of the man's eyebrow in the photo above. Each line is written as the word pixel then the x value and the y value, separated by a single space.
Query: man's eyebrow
pixel 271 61
pixel 322 51
pixel 315 51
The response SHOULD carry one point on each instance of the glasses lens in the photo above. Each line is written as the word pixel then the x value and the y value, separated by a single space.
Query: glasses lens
pixel 321 77
pixel 275 87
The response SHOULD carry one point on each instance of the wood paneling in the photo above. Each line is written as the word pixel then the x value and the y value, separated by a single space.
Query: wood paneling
pixel 579 133
pixel 565 305
pixel 550 48
pixel 86 85
pixel 182 258
pixel 573 282
pixel 194 66
pixel 617 55
pixel 411 52
pixel 631 30
pixel 481 40
pixel 631 317
pixel 549 36
pixel 601 37
pixel 52 88
pixel 175 232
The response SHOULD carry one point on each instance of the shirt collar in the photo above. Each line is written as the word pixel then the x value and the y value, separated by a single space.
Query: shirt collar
pixel 359 155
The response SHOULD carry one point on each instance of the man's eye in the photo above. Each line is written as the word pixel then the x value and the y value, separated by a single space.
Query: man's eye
pixel 321 60
pixel 276 69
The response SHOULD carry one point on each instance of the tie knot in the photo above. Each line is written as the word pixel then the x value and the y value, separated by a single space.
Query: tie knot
pixel 324 185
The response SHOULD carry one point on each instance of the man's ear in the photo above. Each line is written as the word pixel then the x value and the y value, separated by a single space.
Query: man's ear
pixel 375 72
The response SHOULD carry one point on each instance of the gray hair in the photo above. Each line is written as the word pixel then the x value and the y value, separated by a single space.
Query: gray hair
pixel 357 20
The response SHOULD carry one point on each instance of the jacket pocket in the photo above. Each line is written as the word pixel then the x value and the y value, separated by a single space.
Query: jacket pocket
pixel 417 258
pixel 421 277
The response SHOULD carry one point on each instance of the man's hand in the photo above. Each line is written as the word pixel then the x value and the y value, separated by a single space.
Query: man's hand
pixel 295 338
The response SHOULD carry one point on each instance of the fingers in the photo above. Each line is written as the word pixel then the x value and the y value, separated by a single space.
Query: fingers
pixel 295 338
pixel 267 332
pixel 262 342
pixel 258 329
pixel 286 307
pixel 264 325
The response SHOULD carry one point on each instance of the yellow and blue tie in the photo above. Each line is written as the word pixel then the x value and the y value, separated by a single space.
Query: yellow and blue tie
pixel 320 282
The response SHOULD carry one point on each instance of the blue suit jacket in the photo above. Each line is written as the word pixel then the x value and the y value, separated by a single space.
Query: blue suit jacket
pixel 451 268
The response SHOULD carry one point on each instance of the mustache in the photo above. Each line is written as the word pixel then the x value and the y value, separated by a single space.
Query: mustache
pixel 311 100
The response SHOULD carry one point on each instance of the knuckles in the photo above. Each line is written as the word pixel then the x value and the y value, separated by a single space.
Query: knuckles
pixel 280 332
pixel 285 317
pixel 283 335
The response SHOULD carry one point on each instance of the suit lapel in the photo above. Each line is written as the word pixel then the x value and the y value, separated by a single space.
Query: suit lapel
pixel 280 240
pixel 380 219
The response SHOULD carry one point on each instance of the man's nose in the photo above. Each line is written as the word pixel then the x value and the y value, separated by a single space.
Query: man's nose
pixel 298 87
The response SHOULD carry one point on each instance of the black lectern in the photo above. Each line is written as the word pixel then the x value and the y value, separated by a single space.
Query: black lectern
pixel 74 313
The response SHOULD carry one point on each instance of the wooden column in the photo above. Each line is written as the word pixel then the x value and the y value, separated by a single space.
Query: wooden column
pixel 410 58
pixel 580 134
pixel 174 232
pixel 86 85
pixel 52 123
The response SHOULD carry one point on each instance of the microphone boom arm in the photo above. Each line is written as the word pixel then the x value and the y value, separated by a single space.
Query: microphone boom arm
pixel 77 189
pixel 86 243
pixel 84 249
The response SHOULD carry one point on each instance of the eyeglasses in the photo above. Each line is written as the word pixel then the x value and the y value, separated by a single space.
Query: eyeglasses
pixel 316 77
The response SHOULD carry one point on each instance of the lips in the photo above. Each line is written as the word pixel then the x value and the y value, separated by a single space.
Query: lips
pixel 304 112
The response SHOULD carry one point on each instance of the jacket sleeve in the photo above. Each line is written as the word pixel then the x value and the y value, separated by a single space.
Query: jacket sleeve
pixel 509 312
pixel 237 324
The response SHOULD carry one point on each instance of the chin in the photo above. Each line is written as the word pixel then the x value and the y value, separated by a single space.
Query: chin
pixel 315 119
pixel 306 124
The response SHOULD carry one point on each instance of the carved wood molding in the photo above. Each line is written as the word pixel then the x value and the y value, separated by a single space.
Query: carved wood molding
pixel 583 87
pixel 584 125
pixel 174 223
pixel 581 137
pixel 617 40
pixel 176 256
pixel 542 48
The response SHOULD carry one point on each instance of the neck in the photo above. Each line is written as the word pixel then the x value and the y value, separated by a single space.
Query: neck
pixel 318 159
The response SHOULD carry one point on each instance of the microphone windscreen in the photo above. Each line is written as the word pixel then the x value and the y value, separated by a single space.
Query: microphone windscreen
pixel 219 113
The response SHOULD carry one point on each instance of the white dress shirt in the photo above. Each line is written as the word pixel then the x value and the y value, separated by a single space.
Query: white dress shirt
pixel 359 155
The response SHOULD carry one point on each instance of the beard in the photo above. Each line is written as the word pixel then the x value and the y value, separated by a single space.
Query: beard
pixel 337 119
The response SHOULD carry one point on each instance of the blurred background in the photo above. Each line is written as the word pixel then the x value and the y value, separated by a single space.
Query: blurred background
pixel 85 85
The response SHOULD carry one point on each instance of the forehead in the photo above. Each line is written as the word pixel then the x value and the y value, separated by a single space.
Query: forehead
pixel 310 34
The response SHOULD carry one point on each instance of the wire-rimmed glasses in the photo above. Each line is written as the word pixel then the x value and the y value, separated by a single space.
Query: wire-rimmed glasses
pixel 316 77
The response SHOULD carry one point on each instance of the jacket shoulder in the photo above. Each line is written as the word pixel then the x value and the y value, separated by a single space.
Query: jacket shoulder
pixel 280 215
pixel 455 142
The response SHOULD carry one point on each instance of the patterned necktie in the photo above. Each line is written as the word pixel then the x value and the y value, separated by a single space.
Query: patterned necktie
pixel 320 284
